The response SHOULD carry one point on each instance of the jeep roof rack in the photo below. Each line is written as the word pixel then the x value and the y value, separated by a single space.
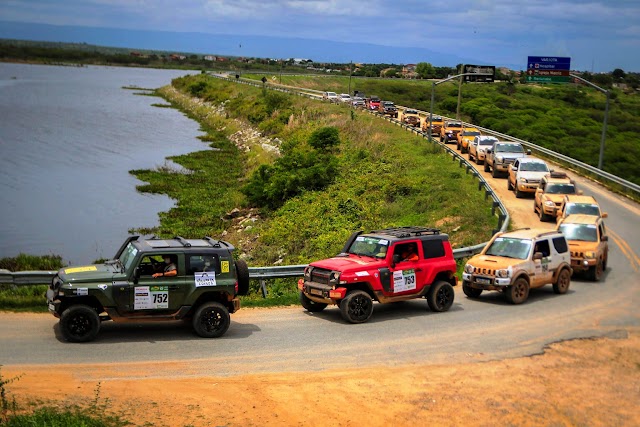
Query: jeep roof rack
pixel 407 231
pixel 183 241
pixel 554 174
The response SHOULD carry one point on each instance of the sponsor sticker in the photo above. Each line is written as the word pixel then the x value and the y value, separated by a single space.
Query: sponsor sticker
pixel 82 291
pixel 80 269
pixel 404 280
pixel 205 279
pixel 224 266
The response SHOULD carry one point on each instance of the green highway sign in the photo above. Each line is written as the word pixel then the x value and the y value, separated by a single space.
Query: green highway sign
pixel 549 79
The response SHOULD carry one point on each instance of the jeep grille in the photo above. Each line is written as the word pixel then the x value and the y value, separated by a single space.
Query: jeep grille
pixel 577 254
pixel 484 271
pixel 320 275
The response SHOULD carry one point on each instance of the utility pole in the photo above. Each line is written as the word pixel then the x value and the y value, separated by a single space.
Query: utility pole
pixel 350 72
pixel 459 92
pixel 606 115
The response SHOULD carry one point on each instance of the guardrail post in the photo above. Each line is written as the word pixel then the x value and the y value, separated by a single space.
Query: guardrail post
pixel 487 193
pixel 494 205
pixel 263 287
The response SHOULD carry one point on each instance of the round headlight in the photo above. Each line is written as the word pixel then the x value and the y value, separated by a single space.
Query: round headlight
pixel 468 268
pixel 549 203
pixel 590 254
pixel 334 277
pixel 502 273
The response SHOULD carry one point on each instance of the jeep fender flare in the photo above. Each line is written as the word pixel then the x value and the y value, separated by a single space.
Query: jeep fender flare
pixel 561 267
pixel 518 276
pixel 88 300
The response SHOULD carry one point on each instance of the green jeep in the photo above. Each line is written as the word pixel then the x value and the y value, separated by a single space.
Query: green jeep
pixel 202 287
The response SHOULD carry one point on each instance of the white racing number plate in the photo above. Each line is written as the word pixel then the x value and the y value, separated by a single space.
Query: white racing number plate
pixel 483 281
pixel 52 307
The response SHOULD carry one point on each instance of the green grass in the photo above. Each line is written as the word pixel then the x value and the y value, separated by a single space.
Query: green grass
pixel 565 118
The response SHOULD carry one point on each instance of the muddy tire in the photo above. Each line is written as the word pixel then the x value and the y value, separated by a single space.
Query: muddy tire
pixel 469 291
pixel 561 286
pixel 519 194
pixel 356 307
pixel 243 277
pixel 79 323
pixel 211 320
pixel 543 216
pixel 486 167
pixel 518 292
pixel 311 305
pixel 440 296
pixel 494 172
pixel 509 186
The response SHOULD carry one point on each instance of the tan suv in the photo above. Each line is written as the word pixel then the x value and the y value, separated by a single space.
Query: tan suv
pixel 517 261
pixel 588 242
pixel 573 204
pixel 449 131
pixel 550 194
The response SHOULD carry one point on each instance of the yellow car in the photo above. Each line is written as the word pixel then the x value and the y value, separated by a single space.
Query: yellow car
pixel 588 243
pixel 465 137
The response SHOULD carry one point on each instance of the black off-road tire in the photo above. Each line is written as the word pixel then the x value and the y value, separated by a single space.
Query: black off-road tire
pixel 79 323
pixel 311 305
pixel 243 277
pixel 519 194
pixel 543 216
pixel 518 292
pixel 440 296
pixel 469 291
pixel 561 286
pixel 356 307
pixel 211 320
pixel 509 186
pixel 494 172
pixel 486 166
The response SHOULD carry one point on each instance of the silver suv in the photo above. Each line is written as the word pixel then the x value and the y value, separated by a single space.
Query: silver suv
pixel 478 147
pixel 501 154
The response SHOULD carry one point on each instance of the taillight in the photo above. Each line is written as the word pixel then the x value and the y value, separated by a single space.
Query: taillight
pixel 236 287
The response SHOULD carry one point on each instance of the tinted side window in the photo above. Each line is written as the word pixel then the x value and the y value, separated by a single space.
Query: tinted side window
pixel 542 246
pixel 201 263
pixel 432 248
pixel 560 243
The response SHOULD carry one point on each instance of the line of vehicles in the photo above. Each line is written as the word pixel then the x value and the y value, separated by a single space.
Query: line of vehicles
pixel 384 266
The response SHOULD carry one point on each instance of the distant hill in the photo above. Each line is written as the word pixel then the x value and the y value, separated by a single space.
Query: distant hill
pixel 233 45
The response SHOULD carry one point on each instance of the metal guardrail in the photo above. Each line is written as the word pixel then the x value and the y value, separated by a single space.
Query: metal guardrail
pixel 29 278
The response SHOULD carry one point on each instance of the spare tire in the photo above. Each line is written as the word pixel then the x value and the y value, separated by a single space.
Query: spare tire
pixel 242 272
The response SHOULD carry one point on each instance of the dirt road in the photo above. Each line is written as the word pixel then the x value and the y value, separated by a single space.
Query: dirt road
pixel 577 383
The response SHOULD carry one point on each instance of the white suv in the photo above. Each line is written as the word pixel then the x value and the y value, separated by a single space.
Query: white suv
pixel 478 147
pixel 517 261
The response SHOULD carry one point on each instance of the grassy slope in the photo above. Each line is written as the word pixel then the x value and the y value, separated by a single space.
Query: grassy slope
pixel 565 118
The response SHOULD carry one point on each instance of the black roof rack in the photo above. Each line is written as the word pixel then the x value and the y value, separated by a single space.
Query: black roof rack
pixel 407 231
pixel 183 241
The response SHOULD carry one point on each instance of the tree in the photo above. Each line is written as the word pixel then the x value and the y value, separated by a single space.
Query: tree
pixel 618 74
pixel 425 70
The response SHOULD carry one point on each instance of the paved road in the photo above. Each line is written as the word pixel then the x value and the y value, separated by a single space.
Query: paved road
pixel 290 339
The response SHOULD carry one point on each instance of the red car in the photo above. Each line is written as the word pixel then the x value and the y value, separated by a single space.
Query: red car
pixel 379 266
pixel 373 103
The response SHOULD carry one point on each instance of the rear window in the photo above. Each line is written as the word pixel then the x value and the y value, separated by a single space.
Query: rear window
pixel 560 243
pixel 433 248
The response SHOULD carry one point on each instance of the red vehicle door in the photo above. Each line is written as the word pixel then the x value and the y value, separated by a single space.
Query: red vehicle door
pixel 408 274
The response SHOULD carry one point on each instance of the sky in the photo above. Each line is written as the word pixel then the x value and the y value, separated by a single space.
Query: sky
pixel 598 35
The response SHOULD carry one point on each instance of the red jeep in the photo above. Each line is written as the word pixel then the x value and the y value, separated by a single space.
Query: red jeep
pixel 374 103
pixel 380 266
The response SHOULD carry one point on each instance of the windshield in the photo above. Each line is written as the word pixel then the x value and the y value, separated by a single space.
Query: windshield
pixel 582 208
pixel 510 248
pixel 472 133
pixel 534 167
pixel 561 189
pixel 331 94
pixel 583 232
pixel 487 141
pixel 411 112
pixel 369 246
pixel 509 148
pixel 454 125
pixel 128 255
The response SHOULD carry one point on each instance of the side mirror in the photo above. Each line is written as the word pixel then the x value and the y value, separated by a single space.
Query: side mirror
pixel 528 152
pixel 537 255
pixel 604 215
pixel 579 192
pixel 488 151
pixel 396 259
pixel 136 275
pixel 604 239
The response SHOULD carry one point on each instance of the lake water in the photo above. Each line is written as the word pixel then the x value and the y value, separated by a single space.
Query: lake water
pixel 68 138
